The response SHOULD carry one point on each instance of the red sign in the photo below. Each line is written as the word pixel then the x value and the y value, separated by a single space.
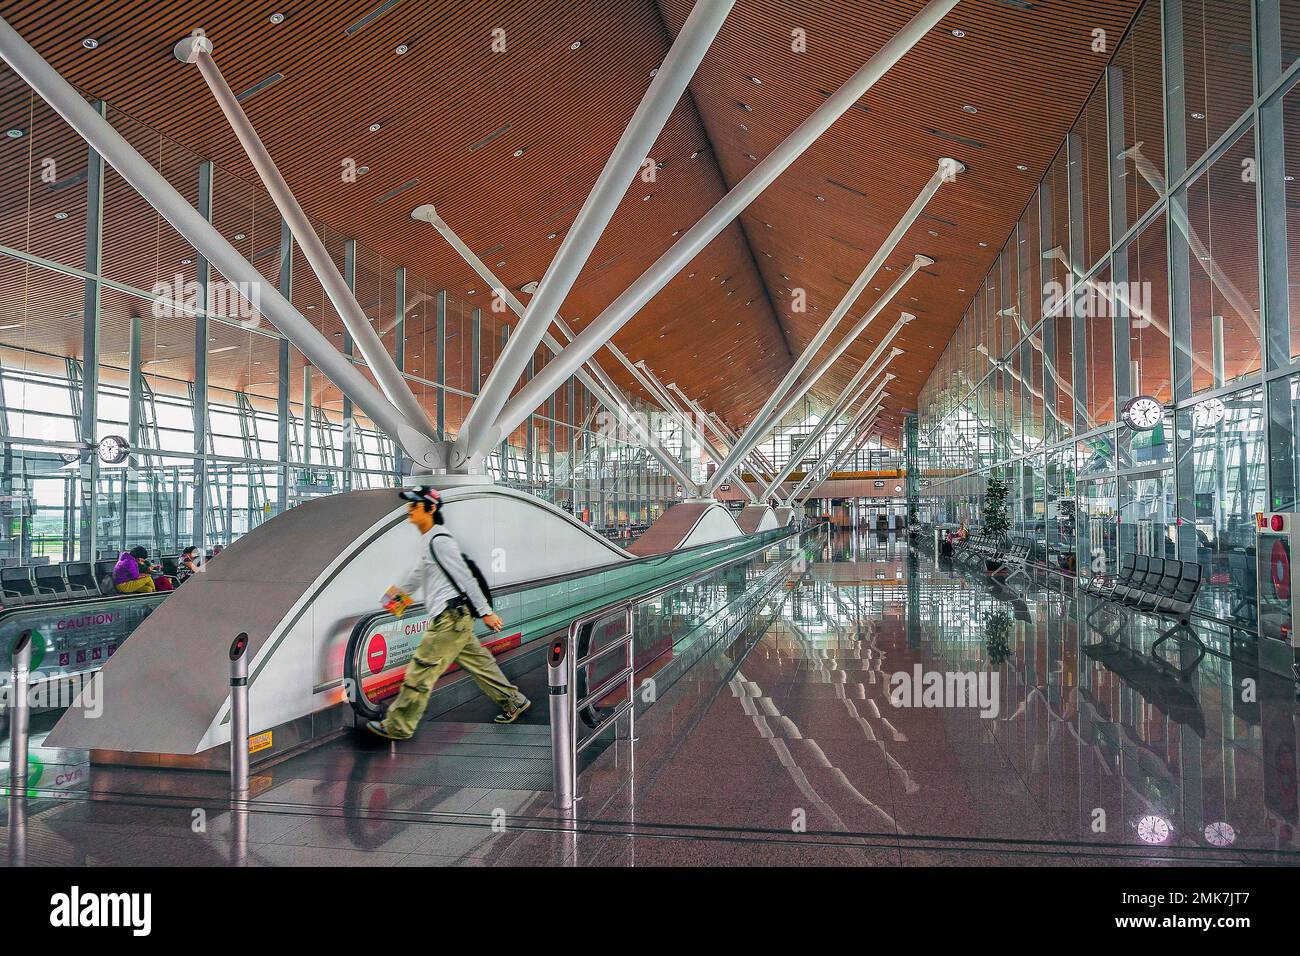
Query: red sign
pixel 377 653
pixel 1281 566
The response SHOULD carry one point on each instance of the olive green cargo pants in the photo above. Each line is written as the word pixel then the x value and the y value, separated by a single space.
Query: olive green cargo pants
pixel 449 639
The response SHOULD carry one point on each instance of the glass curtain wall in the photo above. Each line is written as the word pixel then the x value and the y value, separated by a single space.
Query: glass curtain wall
pixel 1154 260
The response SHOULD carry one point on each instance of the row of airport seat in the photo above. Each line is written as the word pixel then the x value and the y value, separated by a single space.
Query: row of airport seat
pixel 1164 587
pixel 42 583
pixel 1013 554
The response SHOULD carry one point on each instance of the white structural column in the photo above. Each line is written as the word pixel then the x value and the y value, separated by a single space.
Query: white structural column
pixel 680 254
pixel 870 408
pixel 198 232
pixel 480 430
pixel 851 393
pixel 861 433
pixel 591 375
pixel 753 436
pixel 725 435
pixel 197 49
pixel 946 171
pixel 650 382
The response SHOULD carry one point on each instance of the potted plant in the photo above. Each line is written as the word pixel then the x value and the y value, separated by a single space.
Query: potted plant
pixel 997 637
pixel 997 519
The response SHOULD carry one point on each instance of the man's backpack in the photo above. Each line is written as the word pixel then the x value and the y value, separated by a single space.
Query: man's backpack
pixel 473 569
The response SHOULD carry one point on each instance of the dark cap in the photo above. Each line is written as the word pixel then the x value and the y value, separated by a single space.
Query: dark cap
pixel 425 493
pixel 140 552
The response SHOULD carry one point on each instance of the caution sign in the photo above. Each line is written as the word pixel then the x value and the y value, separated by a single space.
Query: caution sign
pixel 260 741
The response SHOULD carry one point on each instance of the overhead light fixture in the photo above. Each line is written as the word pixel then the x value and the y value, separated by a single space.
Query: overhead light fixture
pixel 187 262
pixel 362 170
pixel 14 133
pixel 1198 116
pixel 575 44
pixel 959 33
pixel 746 107
pixel 376 127
pixel 240 237
pixel 552 235
pixel 401 48
pixel 984 245
pixel 519 152
pixel 227 348
pixel 60 215
pixel 1022 167
pixel 277 18
pixel 529 288
pixel 655 71
pixel 646 198
pixel 970 109
pixel 90 43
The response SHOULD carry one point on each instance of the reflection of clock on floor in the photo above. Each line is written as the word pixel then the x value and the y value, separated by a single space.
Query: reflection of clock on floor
pixel 1143 413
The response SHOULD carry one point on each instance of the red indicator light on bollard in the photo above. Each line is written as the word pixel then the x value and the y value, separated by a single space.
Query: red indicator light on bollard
pixel 1276 522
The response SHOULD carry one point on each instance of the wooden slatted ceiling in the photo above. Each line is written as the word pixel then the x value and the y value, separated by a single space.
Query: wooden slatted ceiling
pixel 1026 68
pixel 452 114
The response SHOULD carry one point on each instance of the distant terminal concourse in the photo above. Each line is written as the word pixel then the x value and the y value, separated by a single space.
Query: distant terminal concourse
pixel 651 433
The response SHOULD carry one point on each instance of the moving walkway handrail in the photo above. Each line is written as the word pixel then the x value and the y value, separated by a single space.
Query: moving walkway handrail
pixel 571 659
pixel 352 670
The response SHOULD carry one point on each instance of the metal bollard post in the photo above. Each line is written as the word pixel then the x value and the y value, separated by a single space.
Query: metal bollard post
pixel 19 712
pixel 557 674
pixel 239 717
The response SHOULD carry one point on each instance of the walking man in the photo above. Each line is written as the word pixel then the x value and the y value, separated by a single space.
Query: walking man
pixel 453 598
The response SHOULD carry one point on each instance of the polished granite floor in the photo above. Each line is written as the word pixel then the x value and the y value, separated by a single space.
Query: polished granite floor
pixel 794 742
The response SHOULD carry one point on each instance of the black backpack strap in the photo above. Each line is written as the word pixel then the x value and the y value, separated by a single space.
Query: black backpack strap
pixel 433 553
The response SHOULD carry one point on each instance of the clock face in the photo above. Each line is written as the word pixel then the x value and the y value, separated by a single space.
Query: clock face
pixel 1220 834
pixel 1208 414
pixel 112 450
pixel 1144 413
pixel 1153 829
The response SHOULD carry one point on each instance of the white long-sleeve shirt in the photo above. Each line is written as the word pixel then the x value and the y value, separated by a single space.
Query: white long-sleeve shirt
pixel 428 580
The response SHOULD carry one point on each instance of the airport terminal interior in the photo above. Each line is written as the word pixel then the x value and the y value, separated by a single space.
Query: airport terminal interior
pixel 856 433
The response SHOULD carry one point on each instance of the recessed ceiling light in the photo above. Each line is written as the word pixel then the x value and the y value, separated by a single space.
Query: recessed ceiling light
pixel 959 33
pixel 14 133
pixel 90 43
pixel 277 18
pixel 1022 167
pixel 655 71
pixel 646 198
pixel 984 245
pixel 186 262
pixel 376 127
pixel 311 308
pixel 694 154
pixel 746 107
pixel 932 232
pixel 470 291
pixel 971 109
pixel 519 152
pixel 60 215
pixel 1198 116
pixel 528 288
pixel 756 81
pixel 676 233
pixel 401 48
pixel 240 237
pixel 552 235
pixel 362 170
pixel 575 44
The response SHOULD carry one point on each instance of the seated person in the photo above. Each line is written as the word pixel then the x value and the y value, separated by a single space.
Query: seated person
pixel 130 574
pixel 189 564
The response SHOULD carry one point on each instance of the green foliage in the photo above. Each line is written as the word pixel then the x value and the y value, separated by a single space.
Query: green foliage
pixel 997 517
pixel 997 637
